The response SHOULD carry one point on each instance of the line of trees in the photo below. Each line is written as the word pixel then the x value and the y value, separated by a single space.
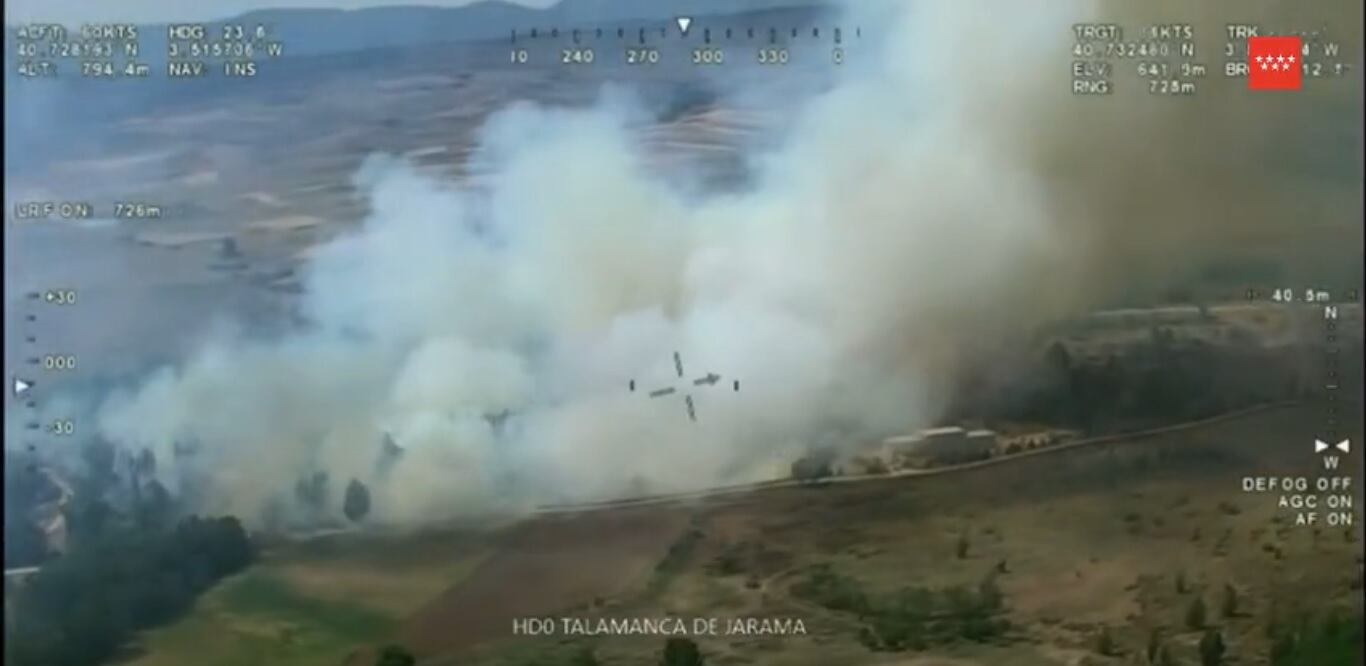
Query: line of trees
pixel 81 608
pixel 1160 380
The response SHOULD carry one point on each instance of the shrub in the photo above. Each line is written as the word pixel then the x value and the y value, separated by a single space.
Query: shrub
pixel 1229 606
pixel 1195 614
pixel 681 652
pixel 1105 643
pixel 1212 648
pixel 395 655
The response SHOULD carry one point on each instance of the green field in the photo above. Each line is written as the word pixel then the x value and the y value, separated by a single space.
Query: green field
pixel 310 604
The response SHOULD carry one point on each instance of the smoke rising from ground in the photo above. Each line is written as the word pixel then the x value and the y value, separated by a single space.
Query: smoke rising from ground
pixel 946 194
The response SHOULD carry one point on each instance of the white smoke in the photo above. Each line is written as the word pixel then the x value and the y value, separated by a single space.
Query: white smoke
pixel 901 223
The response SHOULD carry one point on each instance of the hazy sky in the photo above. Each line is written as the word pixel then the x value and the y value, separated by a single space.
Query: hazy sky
pixel 74 12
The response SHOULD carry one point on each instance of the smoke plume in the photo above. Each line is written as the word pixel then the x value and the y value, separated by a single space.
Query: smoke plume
pixel 947 193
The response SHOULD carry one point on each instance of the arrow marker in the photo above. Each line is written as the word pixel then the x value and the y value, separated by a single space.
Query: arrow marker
pixel 21 385
pixel 709 380
pixel 1320 446
pixel 684 22
pixel 1345 446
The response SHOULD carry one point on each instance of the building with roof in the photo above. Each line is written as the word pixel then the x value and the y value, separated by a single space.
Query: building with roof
pixel 942 445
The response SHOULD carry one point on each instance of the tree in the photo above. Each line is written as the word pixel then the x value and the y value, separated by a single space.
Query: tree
pixel 1154 645
pixel 1165 657
pixel 811 468
pixel 100 460
pixel 311 491
pixel 389 454
pixel 154 506
pixel 219 545
pixel 681 652
pixel 395 655
pixel 1195 614
pixel 144 464
pixel 1229 606
pixel 1057 358
pixel 1212 648
pixel 25 544
pixel 989 593
pixel 357 503
pixel 1105 643
pixel 88 516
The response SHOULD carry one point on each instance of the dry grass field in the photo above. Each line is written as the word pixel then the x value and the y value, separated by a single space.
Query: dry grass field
pixel 1118 540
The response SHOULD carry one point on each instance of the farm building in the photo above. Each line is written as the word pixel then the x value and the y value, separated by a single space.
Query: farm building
pixel 946 444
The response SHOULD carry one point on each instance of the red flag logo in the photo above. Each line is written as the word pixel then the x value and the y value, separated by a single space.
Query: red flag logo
pixel 1273 63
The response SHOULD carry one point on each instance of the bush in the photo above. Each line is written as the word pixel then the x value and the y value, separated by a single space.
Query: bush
pixel 1331 641
pixel 395 655
pixel 914 617
pixel 681 652
pixel 839 593
pixel 812 468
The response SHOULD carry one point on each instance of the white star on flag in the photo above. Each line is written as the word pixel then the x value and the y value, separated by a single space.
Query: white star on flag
pixel 1259 58
pixel 1280 58
pixel 1290 59
pixel 1263 65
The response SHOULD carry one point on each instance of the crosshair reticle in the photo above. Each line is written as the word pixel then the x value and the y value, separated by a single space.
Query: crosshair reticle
pixel 709 379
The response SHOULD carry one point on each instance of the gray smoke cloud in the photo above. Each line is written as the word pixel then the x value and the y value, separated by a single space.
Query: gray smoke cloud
pixel 946 194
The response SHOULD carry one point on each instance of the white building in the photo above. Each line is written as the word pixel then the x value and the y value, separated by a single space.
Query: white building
pixel 951 443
